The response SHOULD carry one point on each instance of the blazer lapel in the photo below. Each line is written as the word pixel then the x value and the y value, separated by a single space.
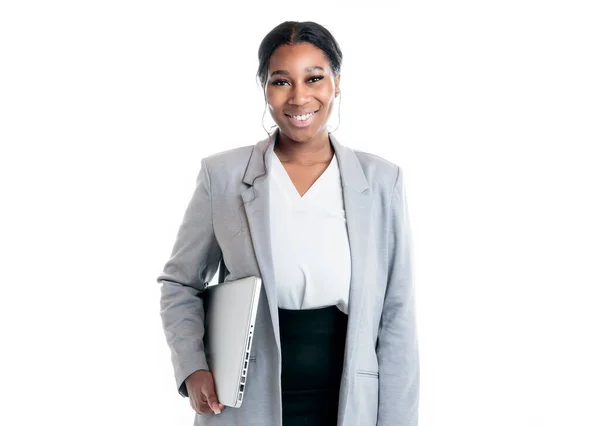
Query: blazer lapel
pixel 357 203
pixel 256 204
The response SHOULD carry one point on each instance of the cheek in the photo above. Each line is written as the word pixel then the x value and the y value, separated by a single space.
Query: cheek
pixel 327 102
pixel 275 92
pixel 326 96
pixel 275 100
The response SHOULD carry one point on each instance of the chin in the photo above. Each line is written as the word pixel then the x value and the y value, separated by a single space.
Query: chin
pixel 300 135
pixel 303 134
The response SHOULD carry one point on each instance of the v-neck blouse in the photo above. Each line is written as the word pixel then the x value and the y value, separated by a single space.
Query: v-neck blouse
pixel 309 239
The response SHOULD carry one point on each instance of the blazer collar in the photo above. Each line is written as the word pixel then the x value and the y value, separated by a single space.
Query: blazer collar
pixel 351 172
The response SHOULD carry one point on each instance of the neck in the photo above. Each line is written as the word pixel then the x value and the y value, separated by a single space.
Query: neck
pixel 315 150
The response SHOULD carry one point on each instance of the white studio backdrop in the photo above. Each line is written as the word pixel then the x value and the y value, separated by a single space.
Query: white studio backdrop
pixel 491 108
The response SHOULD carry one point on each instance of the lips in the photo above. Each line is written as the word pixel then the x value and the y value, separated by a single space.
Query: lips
pixel 300 113
pixel 301 120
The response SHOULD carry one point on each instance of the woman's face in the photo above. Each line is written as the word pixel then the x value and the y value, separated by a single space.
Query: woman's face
pixel 300 90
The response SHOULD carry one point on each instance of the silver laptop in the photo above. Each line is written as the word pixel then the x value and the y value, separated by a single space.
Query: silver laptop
pixel 230 314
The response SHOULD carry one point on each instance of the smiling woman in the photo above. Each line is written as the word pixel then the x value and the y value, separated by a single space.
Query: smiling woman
pixel 327 231
pixel 300 90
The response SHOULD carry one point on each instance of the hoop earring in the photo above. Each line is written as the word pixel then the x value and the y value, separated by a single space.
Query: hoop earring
pixel 270 131
pixel 339 114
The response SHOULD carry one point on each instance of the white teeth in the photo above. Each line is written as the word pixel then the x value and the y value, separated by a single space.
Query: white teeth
pixel 303 117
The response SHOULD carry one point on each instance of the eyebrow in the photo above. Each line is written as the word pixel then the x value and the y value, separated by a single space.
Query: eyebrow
pixel 309 69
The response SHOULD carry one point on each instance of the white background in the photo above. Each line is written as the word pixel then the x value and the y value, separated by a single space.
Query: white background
pixel 491 108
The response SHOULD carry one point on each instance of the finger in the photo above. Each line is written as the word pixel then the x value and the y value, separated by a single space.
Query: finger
pixel 213 403
pixel 216 408
pixel 203 409
pixel 195 406
pixel 200 405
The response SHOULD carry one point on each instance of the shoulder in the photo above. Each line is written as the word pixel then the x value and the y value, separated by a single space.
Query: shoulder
pixel 379 172
pixel 228 158
pixel 227 168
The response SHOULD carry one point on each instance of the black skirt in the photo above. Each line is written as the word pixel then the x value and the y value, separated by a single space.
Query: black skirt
pixel 312 351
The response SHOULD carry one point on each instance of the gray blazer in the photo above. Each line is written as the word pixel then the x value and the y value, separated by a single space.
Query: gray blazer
pixel 227 220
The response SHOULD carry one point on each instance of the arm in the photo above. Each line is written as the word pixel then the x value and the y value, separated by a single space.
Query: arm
pixel 194 261
pixel 397 346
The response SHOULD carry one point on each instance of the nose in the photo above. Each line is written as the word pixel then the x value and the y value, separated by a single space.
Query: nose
pixel 299 95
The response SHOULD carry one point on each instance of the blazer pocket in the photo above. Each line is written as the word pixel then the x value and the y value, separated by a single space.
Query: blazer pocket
pixel 366 373
pixel 366 392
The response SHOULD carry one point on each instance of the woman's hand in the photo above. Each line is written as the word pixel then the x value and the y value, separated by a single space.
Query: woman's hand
pixel 201 390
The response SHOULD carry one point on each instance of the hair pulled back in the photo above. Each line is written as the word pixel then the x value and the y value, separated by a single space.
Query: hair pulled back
pixel 294 32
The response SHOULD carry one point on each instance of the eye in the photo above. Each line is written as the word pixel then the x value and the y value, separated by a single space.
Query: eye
pixel 279 82
pixel 316 78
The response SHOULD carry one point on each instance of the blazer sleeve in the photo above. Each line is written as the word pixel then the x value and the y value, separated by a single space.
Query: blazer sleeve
pixel 194 260
pixel 397 345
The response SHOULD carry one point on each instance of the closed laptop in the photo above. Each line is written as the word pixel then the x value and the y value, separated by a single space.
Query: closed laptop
pixel 230 314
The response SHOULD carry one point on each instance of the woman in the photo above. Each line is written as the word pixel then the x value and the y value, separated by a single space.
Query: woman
pixel 326 229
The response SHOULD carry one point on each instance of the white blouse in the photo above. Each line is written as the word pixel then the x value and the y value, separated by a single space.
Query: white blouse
pixel 309 239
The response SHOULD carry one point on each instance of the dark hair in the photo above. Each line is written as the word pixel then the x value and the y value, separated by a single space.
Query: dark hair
pixel 293 32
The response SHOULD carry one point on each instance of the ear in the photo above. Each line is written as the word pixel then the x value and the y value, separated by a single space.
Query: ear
pixel 337 84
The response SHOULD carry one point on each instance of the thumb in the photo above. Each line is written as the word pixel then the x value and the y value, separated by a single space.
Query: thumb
pixel 213 403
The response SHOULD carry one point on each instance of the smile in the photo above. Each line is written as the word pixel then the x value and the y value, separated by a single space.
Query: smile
pixel 302 117
pixel 301 120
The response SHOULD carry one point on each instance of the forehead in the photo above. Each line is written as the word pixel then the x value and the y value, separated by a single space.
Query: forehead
pixel 297 57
